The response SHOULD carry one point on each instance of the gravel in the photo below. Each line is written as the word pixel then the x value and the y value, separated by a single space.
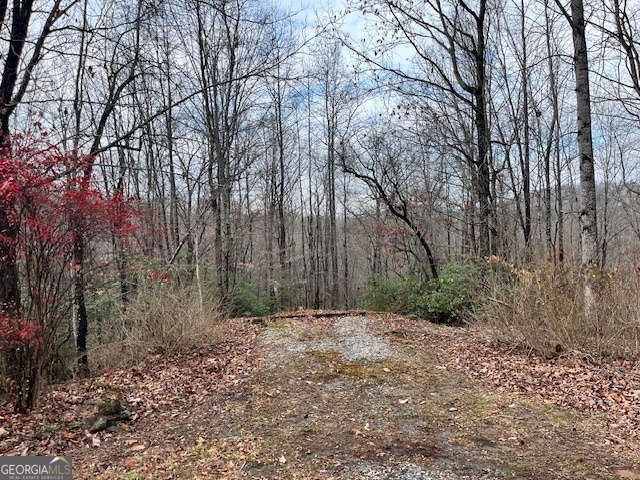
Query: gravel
pixel 406 471
pixel 351 338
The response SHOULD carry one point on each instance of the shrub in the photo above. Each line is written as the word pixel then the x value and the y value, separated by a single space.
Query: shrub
pixel 451 299
pixel 163 318
pixel 290 292
pixel 447 300
pixel 51 208
pixel 244 301
pixel 547 311
pixel 398 295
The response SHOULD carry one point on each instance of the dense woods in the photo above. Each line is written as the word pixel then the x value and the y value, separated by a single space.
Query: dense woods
pixel 261 158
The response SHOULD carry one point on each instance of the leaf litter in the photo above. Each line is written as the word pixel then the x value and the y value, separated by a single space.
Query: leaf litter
pixel 346 397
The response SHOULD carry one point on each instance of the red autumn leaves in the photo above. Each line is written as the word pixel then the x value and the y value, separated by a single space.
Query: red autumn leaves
pixel 51 198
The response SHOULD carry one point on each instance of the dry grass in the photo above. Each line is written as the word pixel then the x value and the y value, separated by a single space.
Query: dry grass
pixel 167 319
pixel 163 319
pixel 548 311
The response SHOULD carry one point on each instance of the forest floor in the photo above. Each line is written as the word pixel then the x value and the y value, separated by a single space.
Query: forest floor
pixel 348 396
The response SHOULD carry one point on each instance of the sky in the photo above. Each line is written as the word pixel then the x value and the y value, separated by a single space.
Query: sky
pixel 309 9
pixel 311 5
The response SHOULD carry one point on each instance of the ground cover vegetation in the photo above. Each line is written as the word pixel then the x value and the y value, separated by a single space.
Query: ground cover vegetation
pixel 166 166
pixel 277 399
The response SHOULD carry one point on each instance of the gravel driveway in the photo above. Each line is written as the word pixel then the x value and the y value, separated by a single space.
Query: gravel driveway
pixel 350 358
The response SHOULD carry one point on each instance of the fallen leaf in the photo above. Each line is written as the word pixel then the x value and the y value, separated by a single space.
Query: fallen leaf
pixel 138 448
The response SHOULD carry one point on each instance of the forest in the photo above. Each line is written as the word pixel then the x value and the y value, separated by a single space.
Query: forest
pixel 168 164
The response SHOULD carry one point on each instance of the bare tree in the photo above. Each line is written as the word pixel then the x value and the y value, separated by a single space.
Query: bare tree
pixel 235 43
pixel 381 166
pixel 588 218
pixel 119 74
pixel 449 40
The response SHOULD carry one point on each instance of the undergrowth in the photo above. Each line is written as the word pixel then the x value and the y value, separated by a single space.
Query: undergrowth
pixel 162 318
pixel 559 310
pixel 446 300
pixel 243 300
pixel 550 310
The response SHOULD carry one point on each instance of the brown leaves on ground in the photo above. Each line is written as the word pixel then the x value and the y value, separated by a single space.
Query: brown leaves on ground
pixel 156 388
pixel 606 387
pixel 173 399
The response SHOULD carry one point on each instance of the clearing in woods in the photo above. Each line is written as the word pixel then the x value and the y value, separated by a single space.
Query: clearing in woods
pixel 337 396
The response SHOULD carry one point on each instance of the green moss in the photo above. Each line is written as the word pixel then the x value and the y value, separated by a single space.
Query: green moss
pixel 330 356
pixel 282 329
pixel 361 370
pixel 565 418
pixel 110 407
pixel 134 476
pixel 480 405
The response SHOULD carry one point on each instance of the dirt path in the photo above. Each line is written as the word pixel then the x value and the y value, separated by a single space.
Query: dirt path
pixel 352 397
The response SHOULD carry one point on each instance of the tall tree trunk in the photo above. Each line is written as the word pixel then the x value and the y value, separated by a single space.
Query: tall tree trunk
pixel 173 190
pixel 81 309
pixel 16 359
pixel 553 141
pixel 588 219
pixel 526 161
pixel 486 245
pixel 281 190
pixel 9 285
pixel 332 285
pixel 559 199
pixel 345 247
